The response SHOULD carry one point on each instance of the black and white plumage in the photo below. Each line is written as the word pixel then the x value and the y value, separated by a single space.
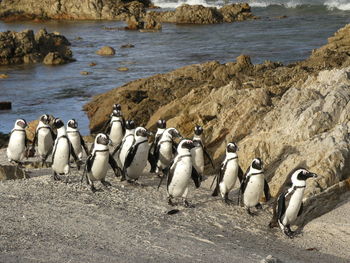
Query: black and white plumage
pixel 199 152
pixel 161 126
pixel 121 151
pixel 181 172
pixel 97 163
pixel 229 172
pixel 289 205
pixel 166 148
pixel 254 185
pixel 62 151
pixel 17 146
pixel 137 156
pixel 44 138
pixel 116 128
pixel 76 139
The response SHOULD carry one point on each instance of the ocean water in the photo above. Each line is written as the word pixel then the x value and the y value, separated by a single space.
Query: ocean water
pixel 62 90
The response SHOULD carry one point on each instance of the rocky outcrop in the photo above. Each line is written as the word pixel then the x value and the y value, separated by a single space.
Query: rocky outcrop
pixel 66 9
pixel 288 115
pixel 198 14
pixel 27 47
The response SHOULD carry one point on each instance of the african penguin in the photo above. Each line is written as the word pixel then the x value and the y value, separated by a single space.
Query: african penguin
pixel 289 204
pixel 180 173
pixel 62 151
pixel 161 126
pixel 76 139
pixel 138 154
pixel 127 142
pixel 253 185
pixel 166 148
pixel 116 128
pixel 229 171
pixel 17 146
pixel 199 152
pixel 96 165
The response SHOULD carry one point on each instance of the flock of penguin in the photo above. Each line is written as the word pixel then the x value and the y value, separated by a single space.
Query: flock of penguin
pixel 126 149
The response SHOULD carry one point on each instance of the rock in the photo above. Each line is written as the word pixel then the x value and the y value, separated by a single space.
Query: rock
pixel 134 23
pixel 92 64
pixel 25 47
pixel 4 76
pixel 150 23
pixel 123 69
pixel 198 14
pixel 5 105
pixel 127 46
pixel 106 51
pixel 84 73
pixel 290 115
pixel 270 259
pixel 66 10
pixel 11 172
pixel 4 138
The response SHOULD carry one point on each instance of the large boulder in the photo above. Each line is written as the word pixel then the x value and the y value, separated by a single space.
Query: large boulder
pixel 25 47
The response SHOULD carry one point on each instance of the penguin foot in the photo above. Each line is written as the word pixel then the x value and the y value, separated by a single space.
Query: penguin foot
pixel 106 183
pixel 228 201
pixel 288 232
pixel 170 202
pixel 94 190
pixel 188 204
pixel 56 177
pixel 250 212
pixel 259 206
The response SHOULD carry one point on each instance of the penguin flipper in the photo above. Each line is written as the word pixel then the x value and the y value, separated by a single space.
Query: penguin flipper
pixel 196 177
pixel 206 154
pixel 244 184
pixel 116 169
pixel 123 125
pixel 174 147
pixel 281 206
pixel 240 174
pixel 130 156
pixel 219 179
pixel 117 148
pixel 72 152
pixel 301 209
pixel 169 173
pixel 156 152
pixel 267 191
pixel 82 142
pixel 152 161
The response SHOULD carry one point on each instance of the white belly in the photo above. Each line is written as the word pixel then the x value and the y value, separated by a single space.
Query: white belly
pixel 254 190
pixel 181 177
pixel 74 138
pixel 230 177
pixel 16 147
pixel 116 133
pixel 165 155
pixel 124 150
pixel 293 207
pixel 60 162
pixel 45 142
pixel 99 167
pixel 139 163
pixel 198 159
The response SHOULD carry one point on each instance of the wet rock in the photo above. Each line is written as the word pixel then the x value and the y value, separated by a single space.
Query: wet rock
pixel 4 76
pixel 236 12
pixel 123 69
pixel 127 46
pixel 25 47
pixel 134 23
pixel 84 73
pixel 11 172
pixel 150 23
pixel 92 64
pixel 5 105
pixel 106 51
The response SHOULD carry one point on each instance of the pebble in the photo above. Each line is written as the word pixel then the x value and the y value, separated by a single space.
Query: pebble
pixel 122 69
pixel 84 73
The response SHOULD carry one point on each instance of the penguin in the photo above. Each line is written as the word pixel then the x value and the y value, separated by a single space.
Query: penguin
pixel 17 146
pixel 161 126
pixel 62 151
pixel 138 155
pixel 289 205
pixel 44 138
pixel 76 139
pixel 199 152
pixel 166 148
pixel 253 186
pixel 116 128
pixel 229 171
pixel 180 172
pixel 96 165
pixel 127 142
pixel 107 125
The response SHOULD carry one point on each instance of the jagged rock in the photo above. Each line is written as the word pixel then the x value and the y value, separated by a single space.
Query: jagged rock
pixel 134 23
pixel 10 172
pixel 25 47
pixel 106 51
pixel 198 14
pixel 150 23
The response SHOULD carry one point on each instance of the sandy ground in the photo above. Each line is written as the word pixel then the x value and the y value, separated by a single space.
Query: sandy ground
pixel 42 220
